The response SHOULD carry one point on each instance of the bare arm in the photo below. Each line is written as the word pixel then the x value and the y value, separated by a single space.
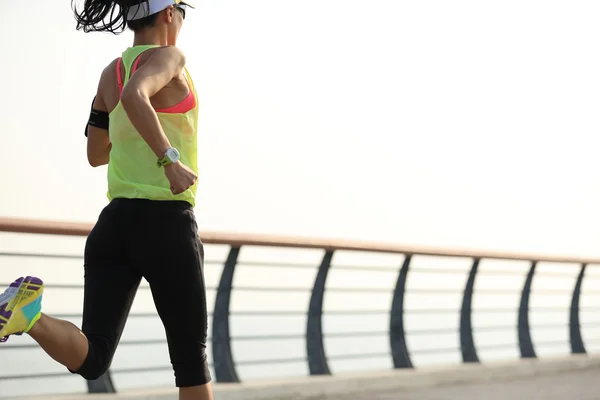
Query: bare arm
pixel 162 66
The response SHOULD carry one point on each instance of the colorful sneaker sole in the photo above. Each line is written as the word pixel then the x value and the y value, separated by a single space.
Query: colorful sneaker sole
pixel 21 289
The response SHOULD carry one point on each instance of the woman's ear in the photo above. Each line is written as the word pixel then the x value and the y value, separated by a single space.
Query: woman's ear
pixel 169 14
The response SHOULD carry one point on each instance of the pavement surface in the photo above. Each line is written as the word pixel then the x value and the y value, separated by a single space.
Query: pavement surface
pixel 565 378
pixel 581 385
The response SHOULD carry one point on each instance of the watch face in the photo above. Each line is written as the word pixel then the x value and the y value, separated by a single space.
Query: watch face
pixel 173 155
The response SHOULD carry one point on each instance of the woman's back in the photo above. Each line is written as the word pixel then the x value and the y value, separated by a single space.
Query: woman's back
pixel 132 169
pixel 170 95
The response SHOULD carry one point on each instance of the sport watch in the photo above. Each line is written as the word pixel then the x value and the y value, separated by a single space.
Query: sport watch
pixel 171 156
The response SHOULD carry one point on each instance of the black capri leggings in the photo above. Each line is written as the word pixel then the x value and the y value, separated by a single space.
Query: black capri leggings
pixel 156 240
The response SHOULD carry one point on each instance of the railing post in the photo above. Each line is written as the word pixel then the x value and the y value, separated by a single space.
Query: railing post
pixel 315 348
pixel 577 346
pixel 101 385
pixel 221 340
pixel 525 343
pixel 467 344
pixel 400 354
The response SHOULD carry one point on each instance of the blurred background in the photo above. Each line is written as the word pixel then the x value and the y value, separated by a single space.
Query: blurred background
pixel 457 123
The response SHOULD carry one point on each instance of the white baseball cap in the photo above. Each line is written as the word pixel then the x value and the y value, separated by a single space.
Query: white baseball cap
pixel 149 7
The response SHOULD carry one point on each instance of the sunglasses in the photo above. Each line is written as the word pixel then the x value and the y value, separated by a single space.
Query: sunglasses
pixel 182 8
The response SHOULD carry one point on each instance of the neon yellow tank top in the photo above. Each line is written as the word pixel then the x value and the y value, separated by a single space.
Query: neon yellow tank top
pixel 132 168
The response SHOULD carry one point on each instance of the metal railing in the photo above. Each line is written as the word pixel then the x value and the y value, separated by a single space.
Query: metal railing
pixel 318 361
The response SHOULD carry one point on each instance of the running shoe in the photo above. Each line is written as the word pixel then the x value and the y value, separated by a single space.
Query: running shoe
pixel 20 306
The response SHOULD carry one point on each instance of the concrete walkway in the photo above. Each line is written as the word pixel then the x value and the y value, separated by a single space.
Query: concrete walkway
pixel 581 385
pixel 570 378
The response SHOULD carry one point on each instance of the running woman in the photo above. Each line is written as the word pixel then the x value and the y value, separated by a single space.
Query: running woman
pixel 143 124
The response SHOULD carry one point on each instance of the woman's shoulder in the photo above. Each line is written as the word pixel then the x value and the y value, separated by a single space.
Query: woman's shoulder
pixel 162 55
pixel 109 71
pixel 167 51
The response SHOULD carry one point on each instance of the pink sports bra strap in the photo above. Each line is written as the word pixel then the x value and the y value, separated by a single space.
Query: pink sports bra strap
pixel 119 77
pixel 135 64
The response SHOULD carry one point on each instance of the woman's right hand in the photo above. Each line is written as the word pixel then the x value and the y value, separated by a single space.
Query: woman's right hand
pixel 180 176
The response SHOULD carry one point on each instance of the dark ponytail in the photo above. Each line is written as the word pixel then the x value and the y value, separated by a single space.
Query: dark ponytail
pixel 109 16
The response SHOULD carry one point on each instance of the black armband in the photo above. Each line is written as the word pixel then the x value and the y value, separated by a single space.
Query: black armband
pixel 98 118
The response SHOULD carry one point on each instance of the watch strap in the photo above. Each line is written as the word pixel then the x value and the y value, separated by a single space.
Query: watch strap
pixel 164 161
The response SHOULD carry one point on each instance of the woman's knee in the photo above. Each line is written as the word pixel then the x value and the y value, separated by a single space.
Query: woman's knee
pixel 98 359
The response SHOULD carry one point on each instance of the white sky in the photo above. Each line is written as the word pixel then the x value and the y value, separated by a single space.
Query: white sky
pixel 443 123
